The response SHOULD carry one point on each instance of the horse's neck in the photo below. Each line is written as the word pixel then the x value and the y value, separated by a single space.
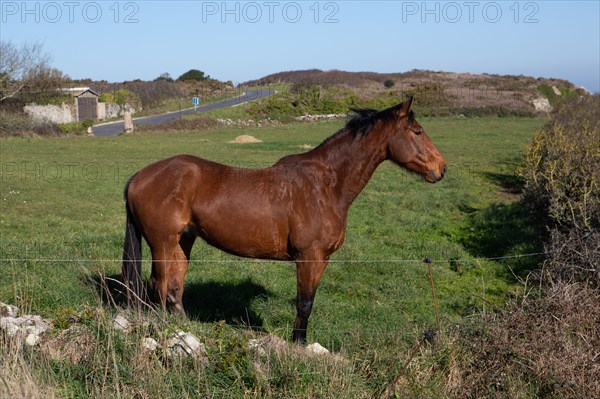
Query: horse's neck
pixel 354 160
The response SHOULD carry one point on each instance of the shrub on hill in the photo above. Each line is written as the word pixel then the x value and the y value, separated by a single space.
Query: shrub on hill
pixel 562 186
pixel 193 74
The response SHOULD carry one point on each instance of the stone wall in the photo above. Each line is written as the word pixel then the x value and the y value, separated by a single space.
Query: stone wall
pixel 116 111
pixel 65 113
pixel 54 113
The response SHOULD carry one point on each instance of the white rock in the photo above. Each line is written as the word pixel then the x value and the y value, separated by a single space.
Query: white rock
pixel 121 323
pixel 542 104
pixel 28 326
pixel 37 329
pixel 185 343
pixel 316 348
pixel 257 345
pixel 32 339
pixel 149 344
pixel 10 328
pixel 556 91
pixel 7 310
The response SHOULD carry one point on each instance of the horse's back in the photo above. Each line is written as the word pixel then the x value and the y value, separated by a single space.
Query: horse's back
pixel 242 211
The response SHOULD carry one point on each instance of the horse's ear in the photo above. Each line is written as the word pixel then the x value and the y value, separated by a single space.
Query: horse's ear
pixel 405 106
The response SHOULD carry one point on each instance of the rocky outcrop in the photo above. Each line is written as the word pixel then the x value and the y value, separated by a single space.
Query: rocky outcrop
pixel 26 328
pixel 541 104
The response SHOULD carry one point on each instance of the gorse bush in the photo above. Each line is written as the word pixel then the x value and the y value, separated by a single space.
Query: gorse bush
pixel 122 97
pixel 563 163
pixel 316 100
pixel 548 91
pixel 302 100
pixel 74 128
pixel 562 187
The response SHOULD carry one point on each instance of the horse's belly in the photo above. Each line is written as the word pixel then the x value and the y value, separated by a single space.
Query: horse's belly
pixel 253 236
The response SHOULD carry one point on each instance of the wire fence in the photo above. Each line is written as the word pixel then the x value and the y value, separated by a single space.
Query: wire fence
pixel 248 326
pixel 254 261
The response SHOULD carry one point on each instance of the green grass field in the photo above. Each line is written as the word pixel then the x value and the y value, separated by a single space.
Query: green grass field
pixel 62 227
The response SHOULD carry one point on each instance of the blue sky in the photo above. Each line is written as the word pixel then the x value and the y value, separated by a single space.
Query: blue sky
pixel 242 40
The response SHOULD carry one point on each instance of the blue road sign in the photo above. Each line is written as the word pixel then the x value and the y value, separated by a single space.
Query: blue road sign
pixel 195 101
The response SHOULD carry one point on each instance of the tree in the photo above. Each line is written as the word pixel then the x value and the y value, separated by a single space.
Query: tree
pixel 47 83
pixel 19 66
pixel 164 76
pixel 193 74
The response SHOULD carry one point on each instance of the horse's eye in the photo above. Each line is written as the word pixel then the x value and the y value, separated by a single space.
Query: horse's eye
pixel 418 131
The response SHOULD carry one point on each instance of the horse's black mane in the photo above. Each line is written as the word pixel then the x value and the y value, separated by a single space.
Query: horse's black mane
pixel 362 120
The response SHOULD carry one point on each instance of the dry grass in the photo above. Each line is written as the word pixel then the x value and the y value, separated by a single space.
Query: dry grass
pixel 543 346
pixel 19 376
pixel 548 346
pixel 573 256
pixel 20 124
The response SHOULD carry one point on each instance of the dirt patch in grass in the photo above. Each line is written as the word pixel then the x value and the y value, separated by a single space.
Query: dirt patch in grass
pixel 245 139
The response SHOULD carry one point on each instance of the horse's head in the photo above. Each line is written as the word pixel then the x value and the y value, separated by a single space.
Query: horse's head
pixel 410 147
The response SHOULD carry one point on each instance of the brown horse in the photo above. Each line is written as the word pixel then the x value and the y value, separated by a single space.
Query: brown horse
pixel 295 210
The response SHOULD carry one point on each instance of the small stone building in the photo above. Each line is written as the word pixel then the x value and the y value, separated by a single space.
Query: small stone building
pixel 86 105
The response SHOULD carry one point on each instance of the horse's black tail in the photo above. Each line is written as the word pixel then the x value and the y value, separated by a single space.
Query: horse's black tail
pixel 132 259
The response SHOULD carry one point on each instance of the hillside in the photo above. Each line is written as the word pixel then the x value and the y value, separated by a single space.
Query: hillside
pixel 437 91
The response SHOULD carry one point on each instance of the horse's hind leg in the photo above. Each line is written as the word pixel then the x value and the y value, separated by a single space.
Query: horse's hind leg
pixel 170 263
pixel 186 243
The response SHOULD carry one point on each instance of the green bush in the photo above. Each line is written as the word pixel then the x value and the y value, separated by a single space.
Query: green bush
pixel 563 163
pixel 315 100
pixel 121 97
pixel 304 100
pixel 74 128
pixel 280 106
pixel 565 92
pixel 562 187
pixel 193 74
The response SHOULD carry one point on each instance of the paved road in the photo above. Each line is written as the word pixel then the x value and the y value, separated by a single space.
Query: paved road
pixel 114 128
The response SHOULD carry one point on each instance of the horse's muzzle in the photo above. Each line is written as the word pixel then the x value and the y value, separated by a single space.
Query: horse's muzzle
pixel 433 177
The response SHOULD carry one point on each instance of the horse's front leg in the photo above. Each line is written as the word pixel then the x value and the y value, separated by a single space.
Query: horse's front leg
pixel 308 272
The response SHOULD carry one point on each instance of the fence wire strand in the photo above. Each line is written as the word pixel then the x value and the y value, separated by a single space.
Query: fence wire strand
pixel 254 261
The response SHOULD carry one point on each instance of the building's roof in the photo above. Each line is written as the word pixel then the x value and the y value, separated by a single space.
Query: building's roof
pixel 77 91
pixel 87 90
